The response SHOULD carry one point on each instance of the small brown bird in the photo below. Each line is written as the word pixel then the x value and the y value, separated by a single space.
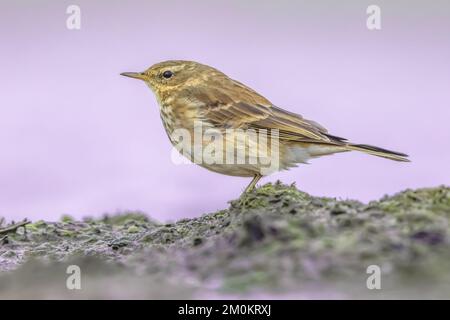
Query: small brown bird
pixel 190 94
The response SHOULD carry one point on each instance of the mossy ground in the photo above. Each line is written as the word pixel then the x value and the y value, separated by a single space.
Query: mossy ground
pixel 275 241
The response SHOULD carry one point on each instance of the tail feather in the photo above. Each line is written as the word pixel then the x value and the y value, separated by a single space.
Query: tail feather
pixel 379 152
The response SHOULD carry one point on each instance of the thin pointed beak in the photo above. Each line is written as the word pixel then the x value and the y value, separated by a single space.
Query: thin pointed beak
pixel 134 75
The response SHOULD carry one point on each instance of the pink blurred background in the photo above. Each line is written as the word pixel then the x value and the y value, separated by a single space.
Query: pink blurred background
pixel 78 139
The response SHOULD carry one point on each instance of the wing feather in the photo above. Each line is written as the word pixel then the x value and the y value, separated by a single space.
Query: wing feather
pixel 291 127
pixel 231 104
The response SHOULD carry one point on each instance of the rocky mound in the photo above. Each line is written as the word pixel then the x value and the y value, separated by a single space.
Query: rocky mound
pixel 274 242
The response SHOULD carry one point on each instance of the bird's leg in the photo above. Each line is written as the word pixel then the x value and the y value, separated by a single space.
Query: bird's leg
pixel 250 187
pixel 253 183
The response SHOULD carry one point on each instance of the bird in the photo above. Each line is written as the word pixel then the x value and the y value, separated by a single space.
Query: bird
pixel 192 95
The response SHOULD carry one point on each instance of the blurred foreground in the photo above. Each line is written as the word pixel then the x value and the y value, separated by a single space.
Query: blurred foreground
pixel 277 242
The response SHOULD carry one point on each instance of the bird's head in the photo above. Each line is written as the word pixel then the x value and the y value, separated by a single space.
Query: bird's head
pixel 174 74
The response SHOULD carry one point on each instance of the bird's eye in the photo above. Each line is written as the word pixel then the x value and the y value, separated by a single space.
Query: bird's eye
pixel 167 74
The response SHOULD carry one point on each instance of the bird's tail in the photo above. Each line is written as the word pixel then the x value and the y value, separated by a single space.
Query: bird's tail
pixel 379 152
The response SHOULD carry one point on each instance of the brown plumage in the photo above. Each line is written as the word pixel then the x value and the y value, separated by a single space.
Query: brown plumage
pixel 189 92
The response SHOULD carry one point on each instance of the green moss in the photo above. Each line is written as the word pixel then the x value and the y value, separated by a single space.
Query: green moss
pixel 39 224
pixel 32 227
pixel 268 195
pixel 67 218
pixel 133 229
pixel 125 217
pixel 67 233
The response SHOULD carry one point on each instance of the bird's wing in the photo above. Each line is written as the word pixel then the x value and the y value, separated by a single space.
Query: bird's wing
pixel 252 111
